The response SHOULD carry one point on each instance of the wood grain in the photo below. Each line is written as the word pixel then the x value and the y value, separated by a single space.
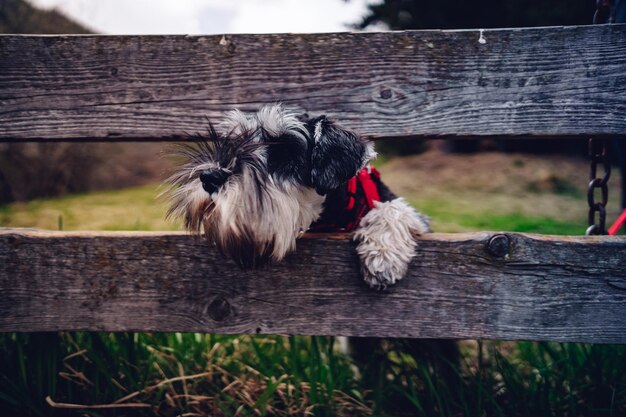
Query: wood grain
pixel 519 287
pixel 540 82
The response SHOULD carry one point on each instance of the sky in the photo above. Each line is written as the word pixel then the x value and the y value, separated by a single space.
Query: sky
pixel 137 17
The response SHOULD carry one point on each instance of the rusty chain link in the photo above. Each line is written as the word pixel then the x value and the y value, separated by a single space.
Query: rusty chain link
pixel 598 152
pixel 598 155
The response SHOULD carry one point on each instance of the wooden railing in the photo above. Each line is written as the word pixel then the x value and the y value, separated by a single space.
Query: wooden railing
pixel 549 82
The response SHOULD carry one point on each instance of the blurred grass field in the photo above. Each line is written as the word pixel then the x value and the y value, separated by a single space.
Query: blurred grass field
pixel 486 191
pixel 137 208
pixel 177 374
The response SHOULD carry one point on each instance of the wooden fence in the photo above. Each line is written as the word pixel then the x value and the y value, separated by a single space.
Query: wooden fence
pixel 508 83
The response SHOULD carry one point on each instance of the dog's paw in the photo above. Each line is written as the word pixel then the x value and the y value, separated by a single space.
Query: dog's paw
pixel 385 242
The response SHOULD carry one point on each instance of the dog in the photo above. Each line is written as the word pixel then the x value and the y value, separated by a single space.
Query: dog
pixel 261 180
pixel 258 182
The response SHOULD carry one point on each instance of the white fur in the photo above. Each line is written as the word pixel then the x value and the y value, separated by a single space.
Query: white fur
pixel 275 217
pixel 317 134
pixel 202 167
pixel 275 119
pixel 370 154
pixel 188 201
pixel 238 123
pixel 385 241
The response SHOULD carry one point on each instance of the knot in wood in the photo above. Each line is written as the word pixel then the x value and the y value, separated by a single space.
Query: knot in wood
pixel 219 309
pixel 499 245
pixel 386 94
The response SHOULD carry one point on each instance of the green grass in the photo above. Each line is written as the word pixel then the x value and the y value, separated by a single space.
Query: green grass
pixel 447 217
pixel 136 208
pixel 174 373
pixel 178 373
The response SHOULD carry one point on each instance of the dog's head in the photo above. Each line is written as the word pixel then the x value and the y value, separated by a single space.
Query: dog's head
pixel 260 180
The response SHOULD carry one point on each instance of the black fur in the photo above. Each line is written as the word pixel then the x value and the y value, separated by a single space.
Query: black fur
pixel 336 155
pixel 336 217
pixel 288 158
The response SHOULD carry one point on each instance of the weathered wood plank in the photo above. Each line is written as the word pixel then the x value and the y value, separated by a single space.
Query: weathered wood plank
pixel 544 288
pixel 560 81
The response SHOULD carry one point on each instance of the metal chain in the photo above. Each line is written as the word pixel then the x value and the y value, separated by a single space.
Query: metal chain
pixel 598 155
pixel 597 152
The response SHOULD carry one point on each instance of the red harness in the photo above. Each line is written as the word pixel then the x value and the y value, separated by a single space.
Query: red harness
pixel 370 194
pixel 360 194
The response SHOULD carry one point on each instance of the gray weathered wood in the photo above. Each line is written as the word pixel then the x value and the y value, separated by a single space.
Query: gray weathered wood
pixel 560 81
pixel 539 287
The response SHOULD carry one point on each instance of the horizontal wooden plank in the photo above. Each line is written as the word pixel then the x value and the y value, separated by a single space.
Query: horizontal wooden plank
pixel 520 287
pixel 540 82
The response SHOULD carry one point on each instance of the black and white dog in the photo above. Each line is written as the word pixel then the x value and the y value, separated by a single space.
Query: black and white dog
pixel 261 180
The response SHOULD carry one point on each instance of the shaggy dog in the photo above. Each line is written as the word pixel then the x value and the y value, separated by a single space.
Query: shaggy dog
pixel 261 180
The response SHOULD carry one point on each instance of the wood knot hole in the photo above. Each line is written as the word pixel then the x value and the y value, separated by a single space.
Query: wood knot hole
pixel 386 94
pixel 499 246
pixel 219 309
pixel 113 71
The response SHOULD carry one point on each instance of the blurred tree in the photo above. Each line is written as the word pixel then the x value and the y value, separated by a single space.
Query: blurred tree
pixel 18 16
pixel 32 170
pixel 460 14
pixel 35 169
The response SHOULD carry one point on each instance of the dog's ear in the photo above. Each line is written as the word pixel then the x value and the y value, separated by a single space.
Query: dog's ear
pixel 337 154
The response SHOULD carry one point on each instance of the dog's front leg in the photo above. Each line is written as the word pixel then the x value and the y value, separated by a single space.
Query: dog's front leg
pixel 385 241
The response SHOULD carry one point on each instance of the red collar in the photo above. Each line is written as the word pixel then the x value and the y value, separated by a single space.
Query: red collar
pixel 370 191
pixel 360 193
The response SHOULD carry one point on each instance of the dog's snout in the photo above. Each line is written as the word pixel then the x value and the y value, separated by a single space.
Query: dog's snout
pixel 213 179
